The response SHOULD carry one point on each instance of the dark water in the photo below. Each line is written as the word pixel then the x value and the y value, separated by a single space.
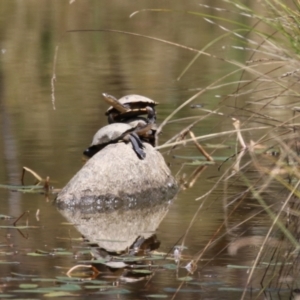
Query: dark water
pixel 35 45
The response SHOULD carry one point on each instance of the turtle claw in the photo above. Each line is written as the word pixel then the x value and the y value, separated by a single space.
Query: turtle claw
pixel 140 153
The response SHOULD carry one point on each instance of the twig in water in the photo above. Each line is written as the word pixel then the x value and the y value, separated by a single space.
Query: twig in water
pixel 53 79
pixel 15 223
pixel 82 266
pixel 37 176
pixel 37 215
pixel 193 178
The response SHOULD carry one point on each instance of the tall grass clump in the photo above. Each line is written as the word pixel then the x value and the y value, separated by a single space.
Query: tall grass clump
pixel 261 113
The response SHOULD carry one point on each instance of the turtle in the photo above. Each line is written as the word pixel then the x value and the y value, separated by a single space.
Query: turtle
pixel 145 133
pixel 127 107
pixel 117 132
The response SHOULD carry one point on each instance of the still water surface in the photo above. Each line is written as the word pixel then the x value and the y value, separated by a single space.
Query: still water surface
pixel 35 45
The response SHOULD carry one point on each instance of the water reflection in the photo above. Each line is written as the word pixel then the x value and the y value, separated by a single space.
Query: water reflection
pixel 118 230
pixel 117 237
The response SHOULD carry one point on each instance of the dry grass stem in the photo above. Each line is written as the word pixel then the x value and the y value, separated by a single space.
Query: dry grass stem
pixel 236 125
pixel 200 148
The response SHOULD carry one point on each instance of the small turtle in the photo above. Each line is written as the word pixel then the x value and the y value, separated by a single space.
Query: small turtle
pixel 127 107
pixel 146 133
pixel 114 133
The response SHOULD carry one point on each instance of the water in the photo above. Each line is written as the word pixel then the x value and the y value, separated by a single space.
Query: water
pixel 47 126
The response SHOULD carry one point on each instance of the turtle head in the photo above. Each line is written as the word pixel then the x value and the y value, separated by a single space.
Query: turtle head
pixel 91 151
pixel 109 98
pixel 151 114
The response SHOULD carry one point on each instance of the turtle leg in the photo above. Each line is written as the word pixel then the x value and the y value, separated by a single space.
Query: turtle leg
pixel 111 118
pixel 136 142
pixel 152 119
pixel 147 131
pixel 152 139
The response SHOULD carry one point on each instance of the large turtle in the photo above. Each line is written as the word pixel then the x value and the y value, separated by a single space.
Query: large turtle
pixel 128 106
pixel 117 132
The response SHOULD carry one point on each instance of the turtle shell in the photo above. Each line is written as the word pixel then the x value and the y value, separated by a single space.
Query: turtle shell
pixel 137 99
pixel 114 133
pixel 136 103
pixel 111 133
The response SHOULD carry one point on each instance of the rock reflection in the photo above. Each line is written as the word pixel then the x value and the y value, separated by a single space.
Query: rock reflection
pixel 121 230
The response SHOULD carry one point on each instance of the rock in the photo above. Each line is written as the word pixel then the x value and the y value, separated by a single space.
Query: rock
pixel 115 177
